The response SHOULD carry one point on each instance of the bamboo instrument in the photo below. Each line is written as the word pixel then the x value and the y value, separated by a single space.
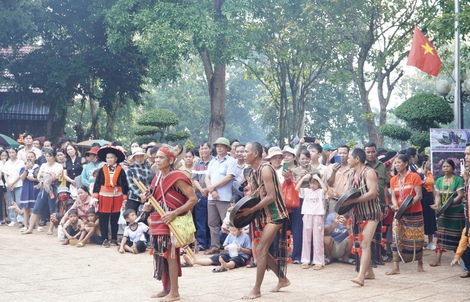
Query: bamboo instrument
pixel 162 212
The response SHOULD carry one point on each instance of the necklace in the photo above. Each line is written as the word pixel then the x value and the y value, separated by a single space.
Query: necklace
pixel 401 186
pixel 448 187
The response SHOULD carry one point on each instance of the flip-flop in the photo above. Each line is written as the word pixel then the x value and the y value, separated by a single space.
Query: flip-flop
pixel 327 261
pixel 219 269
pixel 350 261
pixel 186 264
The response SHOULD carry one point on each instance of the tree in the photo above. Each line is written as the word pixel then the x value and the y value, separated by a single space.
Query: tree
pixel 293 53
pixel 420 113
pixel 168 32
pixel 159 121
pixel 374 37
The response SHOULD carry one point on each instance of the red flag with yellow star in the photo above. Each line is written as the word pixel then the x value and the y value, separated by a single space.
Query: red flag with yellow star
pixel 423 55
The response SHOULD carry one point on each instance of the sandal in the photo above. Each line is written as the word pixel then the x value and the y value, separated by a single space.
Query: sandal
pixel 40 229
pixel 349 261
pixel 212 251
pixel 186 264
pixel 305 265
pixel 327 261
pixel 252 264
pixel 219 269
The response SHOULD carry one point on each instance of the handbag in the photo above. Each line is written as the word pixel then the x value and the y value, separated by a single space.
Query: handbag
pixel 184 224
pixel 290 194
pixel 186 229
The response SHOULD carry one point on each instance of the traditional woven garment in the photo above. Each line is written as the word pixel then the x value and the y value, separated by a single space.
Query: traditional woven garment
pixel 368 210
pixel 171 199
pixel 451 223
pixel 110 189
pixel 408 237
pixel 275 212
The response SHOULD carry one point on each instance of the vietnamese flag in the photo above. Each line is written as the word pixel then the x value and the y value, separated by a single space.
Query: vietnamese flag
pixel 423 55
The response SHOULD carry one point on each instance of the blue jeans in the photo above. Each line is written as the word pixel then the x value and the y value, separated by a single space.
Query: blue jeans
pixel 44 199
pixel 14 196
pixel 200 220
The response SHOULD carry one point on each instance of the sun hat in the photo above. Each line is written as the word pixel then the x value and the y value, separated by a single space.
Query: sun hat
pixel 111 149
pixel 328 147
pixel 138 151
pixel 273 151
pixel 289 150
pixel 63 189
pixel 93 150
pixel 222 141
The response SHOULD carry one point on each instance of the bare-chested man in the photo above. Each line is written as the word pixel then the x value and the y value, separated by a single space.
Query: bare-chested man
pixel 273 215
pixel 367 208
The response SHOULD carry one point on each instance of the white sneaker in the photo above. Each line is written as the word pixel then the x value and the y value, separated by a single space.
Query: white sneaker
pixel 23 229
pixel 12 224
pixel 431 246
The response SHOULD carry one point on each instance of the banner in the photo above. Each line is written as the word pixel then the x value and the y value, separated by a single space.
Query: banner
pixel 447 144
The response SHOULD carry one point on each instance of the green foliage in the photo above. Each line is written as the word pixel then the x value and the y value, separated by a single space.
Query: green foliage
pixel 161 118
pixel 420 139
pixel 189 145
pixel 424 111
pixel 177 136
pixel 146 130
pixel 395 132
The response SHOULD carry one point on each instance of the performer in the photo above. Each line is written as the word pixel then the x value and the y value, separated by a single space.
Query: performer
pixel 273 216
pixel 452 221
pixel 110 191
pixel 367 208
pixel 173 190
pixel 408 232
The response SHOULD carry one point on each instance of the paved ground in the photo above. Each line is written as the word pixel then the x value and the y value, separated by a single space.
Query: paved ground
pixel 37 268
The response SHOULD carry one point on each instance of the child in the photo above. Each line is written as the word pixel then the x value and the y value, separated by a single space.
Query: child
pixel 72 228
pixel 313 211
pixel 133 240
pixel 90 231
pixel 225 261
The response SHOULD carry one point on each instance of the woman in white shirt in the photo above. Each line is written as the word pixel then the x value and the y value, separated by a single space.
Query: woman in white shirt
pixel 48 177
pixel 13 183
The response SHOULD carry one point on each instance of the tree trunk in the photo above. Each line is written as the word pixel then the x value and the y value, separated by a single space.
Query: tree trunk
pixel 217 95
pixel 93 131
pixel 111 119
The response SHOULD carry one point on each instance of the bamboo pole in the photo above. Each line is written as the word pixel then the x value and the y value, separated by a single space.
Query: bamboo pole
pixel 162 212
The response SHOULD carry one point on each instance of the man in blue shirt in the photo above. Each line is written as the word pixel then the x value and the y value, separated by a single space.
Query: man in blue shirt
pixel 337 243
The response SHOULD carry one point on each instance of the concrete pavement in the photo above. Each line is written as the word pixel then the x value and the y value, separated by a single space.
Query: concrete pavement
pixel 38 268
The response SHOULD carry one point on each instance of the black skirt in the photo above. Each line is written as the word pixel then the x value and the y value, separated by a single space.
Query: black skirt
pixel 429 214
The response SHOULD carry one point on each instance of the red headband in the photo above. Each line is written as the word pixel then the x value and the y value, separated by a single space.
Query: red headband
pixel 164 150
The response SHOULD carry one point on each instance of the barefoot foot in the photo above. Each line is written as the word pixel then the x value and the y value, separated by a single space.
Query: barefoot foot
pixel 369 276
pixel 161 294
pixel 254 294
pixel 434 264
pixel 188 260
pixel 222 262
pixel 169 298
pixel 358 282
pixel 282 283
pixel 393 272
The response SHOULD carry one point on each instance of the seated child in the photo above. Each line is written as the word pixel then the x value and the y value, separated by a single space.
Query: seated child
pixel 90 231
pixel 224 261
pixel 133 240
pixel 72 228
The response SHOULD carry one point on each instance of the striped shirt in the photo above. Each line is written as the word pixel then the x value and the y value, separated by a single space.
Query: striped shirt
pixel 200 172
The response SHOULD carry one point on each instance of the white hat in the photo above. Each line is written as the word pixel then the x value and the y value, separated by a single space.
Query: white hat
pixel 273 151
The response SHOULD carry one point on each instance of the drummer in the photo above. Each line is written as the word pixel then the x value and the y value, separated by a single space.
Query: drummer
pixel 367 208
pixel 452 221
pixel 273 217
pixel 408 234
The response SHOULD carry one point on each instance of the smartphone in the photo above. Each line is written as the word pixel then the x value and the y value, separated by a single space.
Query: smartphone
pixel 285 166
pixel 337 159
pixel 309 139
pixel 462 165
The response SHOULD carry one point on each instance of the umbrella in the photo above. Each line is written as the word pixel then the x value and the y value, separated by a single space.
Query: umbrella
pixel 90 142
pixel 8 141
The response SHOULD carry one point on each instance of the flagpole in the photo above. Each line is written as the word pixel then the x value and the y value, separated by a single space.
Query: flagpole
pixel 457 101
